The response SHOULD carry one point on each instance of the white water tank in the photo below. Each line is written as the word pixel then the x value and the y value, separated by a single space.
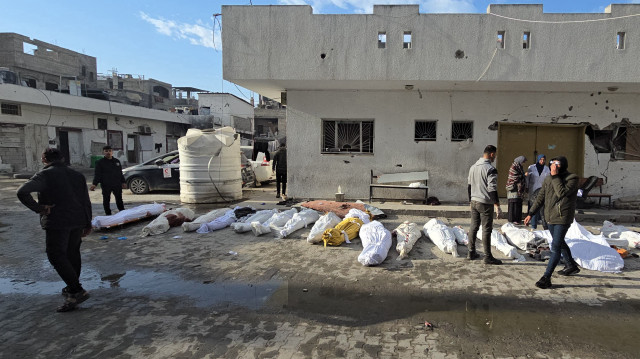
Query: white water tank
pixel 210 166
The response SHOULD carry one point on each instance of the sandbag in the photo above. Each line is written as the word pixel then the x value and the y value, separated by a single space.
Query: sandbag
pixel 376 242
pixel 407 236
pixel 356 213
pixel 162 224
pixel 441 236
pixel 245 224
pixel 517 236
pixel 205 218
pixel 299 220
pixel 329 220
pixel 278 219
pixel 501 244
pixel 128 215
pixel 218 223
pixel 344 231
pixel 460 234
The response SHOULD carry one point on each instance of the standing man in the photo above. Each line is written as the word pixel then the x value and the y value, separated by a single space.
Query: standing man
pixel 558 193
pixel 280 166
pixel 109 175
pixel 483 195
pixel 65 215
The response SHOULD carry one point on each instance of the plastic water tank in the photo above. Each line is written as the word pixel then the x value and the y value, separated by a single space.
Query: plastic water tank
pixel 210 166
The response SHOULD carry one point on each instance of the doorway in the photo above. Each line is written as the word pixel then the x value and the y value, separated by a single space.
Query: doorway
pixel 529 140
pixel 71 146
pixel 133 147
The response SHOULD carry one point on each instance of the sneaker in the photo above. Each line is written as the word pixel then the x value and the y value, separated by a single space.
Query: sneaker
pixel 491 260
pixel 472 255
pixel 72 300
pixel 544 283
pixel 65 291
pixel 569 271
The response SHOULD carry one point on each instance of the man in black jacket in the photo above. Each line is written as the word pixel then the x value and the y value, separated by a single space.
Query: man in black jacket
pixel 108 174
pixel 65 215
pixel 280 166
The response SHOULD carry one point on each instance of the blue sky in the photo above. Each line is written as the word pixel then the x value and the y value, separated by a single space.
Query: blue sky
pixel 178 41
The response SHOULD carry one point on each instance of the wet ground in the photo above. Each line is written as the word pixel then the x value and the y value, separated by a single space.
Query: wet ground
pixel 228 295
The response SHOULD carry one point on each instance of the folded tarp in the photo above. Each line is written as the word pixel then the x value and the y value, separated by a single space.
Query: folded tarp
pixel 299 220
pixel 517 236
pixel 339 208
pixel 329 220
pixel 277 219
pixel 128 215
pixel 344 231
pixel 244 225
pixel 376 241
pixel 407 235
pixel 162 224
pixel 590 251
pixel 441 236
pixel 205 218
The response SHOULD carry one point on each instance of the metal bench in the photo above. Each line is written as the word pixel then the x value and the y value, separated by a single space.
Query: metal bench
pixel 391 180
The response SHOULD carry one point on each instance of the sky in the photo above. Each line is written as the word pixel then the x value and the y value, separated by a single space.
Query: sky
pixel 179 41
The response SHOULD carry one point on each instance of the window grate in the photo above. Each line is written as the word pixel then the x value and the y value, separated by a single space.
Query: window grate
pixel 10 109
pixel 347 136
pixel 461 130
pixel 425 131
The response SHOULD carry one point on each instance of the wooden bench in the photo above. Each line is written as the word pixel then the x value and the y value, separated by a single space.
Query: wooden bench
pixel 599 195
pixel 390 180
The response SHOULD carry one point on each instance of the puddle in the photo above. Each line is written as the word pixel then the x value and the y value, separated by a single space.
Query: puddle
pixel 158 285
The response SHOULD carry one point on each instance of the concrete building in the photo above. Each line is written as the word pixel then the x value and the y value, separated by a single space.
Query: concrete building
pixel 398 91
pixel 46 66
pixel 225 109
pixel 137 90
pixel 33 119
pixel 270 118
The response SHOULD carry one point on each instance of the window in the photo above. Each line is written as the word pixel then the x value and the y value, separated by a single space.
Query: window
pixel 10 109
pixel 382 40
pixel 526 40
pixel 461 130
pixel 626 142
pixel 425 130
pixel 29 82
pixel 29 49
pixel 50 86
pixel 501 39
pixel 620 41
pixel 347 136
pixel 120 85
pixel 406 40
pixel 84 70
pixel 114 139
pixel 102 123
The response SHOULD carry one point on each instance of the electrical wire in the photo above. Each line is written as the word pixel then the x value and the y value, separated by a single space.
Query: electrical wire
pixel 563 21
pixel 488 65
pixel 50 106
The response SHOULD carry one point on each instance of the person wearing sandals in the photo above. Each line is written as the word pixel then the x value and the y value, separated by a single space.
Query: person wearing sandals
pixel 559 193
pixel 65 215
pixel 516 188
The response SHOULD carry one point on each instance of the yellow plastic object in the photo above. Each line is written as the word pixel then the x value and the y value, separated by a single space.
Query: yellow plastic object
pixel 349 227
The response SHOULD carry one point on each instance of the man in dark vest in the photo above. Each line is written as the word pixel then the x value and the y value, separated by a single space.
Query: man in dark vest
pixel 280 166
pixel 108 174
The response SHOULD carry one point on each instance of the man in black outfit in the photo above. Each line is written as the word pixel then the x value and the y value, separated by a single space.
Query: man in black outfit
pixel 65 215
pixel 280 166
pixel 109 175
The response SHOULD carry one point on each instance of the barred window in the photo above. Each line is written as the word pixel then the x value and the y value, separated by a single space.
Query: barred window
pixel 350 136
pixel 461 130
pixel 10 109
pixel 425 130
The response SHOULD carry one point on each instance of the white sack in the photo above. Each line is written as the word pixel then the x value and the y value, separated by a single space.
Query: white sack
pixel 161 224
pixel 205 218
pixel 218 223
pixel 329 220
pixel 501 244
pixel 299 220
pixel 356 213
pixel 259 217
pixel 127 215
pixel 461 235
pixel 376 241
pixel 629 238
pixel 441 236
pixel 518 237
pixel 588 250
pixel 633 238
pixel 407 236
pixel 278 219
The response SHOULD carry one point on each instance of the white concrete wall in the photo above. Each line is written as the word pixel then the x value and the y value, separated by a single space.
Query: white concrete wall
pixel 225 106
pixel 315 175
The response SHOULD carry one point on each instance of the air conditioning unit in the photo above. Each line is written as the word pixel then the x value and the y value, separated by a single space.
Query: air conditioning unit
pixel 144 129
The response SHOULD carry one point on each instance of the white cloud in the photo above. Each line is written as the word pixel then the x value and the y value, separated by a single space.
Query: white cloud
pixel 197 34
pixel 366 6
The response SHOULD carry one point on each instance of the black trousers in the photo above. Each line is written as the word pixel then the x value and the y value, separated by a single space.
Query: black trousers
pixel 63 252
pixel 515 210
pixel 106 198
pixel 281 177
pixel 481 213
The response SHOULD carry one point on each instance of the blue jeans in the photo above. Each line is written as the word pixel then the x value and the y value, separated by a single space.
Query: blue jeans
pixel 559 247
pixel 537 216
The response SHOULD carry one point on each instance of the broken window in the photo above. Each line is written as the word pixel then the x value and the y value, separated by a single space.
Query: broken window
pixel 350 136
pixel 29 49
pixel 50 86
pixel 461 130
pixel 626 142
pixel 29 82
pixel 500 39
pixel 620 41
pixel 10 109
pixel 382 40
pixel 526 40
pixel 406 40
pixel 120 85
pixel 425 130
pixel 114 139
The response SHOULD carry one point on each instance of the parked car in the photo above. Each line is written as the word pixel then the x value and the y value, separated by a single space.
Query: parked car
pixel 160 173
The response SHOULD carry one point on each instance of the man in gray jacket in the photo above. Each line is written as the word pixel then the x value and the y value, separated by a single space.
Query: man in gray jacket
pixel 483 195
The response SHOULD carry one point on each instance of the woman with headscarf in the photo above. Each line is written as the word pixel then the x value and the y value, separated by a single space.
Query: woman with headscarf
pixel 536 174
pixel 516 187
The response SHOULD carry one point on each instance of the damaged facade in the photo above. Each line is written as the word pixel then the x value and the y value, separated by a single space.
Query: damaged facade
pixel 398 91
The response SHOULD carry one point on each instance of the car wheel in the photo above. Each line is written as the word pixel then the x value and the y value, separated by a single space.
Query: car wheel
pixel 138 185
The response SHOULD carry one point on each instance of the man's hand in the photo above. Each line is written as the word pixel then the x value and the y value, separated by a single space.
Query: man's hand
pixel 124 186
pixel 93 187
pixel 86 231
pixel 527 220
pixel 554 169
pixel 498 211
pixel 45 210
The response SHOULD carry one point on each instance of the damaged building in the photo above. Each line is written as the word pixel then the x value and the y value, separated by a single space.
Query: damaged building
pixel 399 91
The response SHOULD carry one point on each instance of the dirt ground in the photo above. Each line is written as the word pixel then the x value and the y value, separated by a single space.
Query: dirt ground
pixel 228 295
